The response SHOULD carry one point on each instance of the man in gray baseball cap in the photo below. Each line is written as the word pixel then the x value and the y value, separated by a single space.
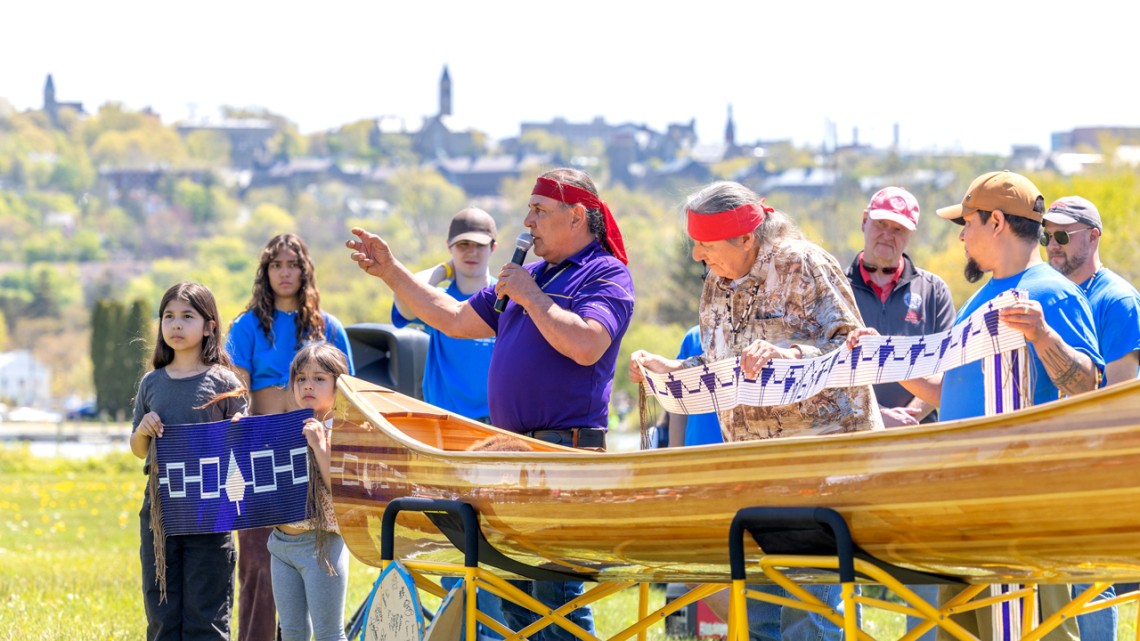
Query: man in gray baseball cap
pixel 1073 230
pixel 1071 238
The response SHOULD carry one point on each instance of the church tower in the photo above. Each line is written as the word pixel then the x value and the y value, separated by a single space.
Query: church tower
pixel 730 130
pixel 445 93
pixel 49 97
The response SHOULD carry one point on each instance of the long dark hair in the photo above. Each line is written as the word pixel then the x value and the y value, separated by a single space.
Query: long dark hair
pixel 329 358
pixel 310 322
pixel 202 300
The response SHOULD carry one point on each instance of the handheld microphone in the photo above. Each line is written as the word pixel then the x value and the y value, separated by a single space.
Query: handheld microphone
pixel 522 246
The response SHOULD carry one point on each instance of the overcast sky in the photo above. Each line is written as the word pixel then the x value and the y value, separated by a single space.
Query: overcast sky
pixel 962 75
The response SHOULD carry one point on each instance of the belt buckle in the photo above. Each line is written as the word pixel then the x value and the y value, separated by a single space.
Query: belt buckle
pixel 593 432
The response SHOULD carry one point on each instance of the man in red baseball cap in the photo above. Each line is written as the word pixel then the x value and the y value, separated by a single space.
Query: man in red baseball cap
pixel 894 296
pixel 898 299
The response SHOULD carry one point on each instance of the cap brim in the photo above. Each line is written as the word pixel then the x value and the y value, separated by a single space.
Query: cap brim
pixel 894 217
pixel 1059 218
pixel 954 213
pixel 473 236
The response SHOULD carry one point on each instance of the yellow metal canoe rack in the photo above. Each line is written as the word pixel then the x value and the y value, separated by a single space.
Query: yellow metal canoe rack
pixel 850 564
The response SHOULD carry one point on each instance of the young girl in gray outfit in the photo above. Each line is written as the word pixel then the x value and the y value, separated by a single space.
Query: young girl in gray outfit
pixel 188 582
pixel 309 561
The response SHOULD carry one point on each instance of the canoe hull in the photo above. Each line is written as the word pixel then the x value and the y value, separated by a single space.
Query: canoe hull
pixel 1048 494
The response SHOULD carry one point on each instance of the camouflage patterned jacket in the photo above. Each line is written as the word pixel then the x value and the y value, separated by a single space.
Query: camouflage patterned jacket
pixel 796 294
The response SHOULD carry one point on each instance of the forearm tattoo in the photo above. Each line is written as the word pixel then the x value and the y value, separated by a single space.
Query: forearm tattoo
pixel 1071 371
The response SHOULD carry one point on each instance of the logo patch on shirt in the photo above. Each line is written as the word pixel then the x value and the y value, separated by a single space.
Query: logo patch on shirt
pixel 602 309
pixel 914 314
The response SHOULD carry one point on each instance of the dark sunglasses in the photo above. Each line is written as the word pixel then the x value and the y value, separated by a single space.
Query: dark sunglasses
pixel 1061 236
pixel 885 270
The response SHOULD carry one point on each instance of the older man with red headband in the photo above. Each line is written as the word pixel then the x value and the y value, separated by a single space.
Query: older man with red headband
pixel 557 339
pixel 770 294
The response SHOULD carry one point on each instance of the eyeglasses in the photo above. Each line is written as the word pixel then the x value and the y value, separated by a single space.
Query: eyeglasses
pixel 1061 236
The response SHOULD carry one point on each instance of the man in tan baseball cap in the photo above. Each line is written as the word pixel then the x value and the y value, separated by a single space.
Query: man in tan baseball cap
pixel 1004 190
pixel 1010 203
pixel 1001 217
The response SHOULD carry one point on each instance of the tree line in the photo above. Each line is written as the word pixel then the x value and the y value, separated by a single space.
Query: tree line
pixel 72 240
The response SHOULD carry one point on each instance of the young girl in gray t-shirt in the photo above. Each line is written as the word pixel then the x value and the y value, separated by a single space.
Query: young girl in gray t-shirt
pixel 188 585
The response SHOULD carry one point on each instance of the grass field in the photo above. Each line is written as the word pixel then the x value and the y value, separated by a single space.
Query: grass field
pixel 69 564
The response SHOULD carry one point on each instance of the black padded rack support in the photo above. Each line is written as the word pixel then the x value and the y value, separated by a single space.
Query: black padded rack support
pixel 810 531
pixel 459 522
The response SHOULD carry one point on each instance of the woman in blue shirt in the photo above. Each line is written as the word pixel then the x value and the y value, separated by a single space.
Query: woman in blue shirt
pixel 283 315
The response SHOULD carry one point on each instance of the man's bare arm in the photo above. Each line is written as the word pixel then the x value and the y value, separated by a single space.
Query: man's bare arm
pixel 927 389
pixel 924 408
pixel 1122 369
pixel 583 340
pixel 431 305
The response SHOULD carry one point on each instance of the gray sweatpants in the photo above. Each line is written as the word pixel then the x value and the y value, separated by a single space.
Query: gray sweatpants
pixel 310 602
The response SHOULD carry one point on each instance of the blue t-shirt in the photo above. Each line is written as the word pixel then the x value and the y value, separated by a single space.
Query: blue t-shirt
pixel 533 386
pixel 700 429
pixel 1066 312
pixel 1116 310
pixel 455 373
pixel 268 362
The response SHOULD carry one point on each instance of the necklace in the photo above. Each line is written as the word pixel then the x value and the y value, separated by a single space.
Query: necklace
pixel 738 324
pixel 540 275
pixel 546 281
pixel 1089 283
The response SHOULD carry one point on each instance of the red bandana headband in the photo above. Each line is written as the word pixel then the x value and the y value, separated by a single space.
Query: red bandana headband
pixel 572 195
pixel 727 224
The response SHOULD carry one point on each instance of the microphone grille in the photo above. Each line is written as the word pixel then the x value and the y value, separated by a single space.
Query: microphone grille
pixel 524 241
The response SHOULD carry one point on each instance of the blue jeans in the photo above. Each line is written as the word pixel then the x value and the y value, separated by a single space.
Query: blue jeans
pixel 310 602
pixel 771 622
pixel 1098 626
pixel 554 594
pixel 487 603
pixel 929 593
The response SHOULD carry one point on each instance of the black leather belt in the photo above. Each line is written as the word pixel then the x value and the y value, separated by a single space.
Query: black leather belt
pixel 584 437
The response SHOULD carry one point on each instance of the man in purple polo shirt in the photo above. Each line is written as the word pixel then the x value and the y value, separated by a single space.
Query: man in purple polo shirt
pixel 556 342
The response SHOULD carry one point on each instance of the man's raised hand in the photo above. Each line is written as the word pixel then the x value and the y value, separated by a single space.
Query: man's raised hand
pixel 370 252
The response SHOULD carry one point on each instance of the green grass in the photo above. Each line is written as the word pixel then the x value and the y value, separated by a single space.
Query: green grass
pixel 69 560
pixel 69 549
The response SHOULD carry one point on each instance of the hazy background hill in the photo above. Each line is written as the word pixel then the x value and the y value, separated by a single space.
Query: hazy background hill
pixel 116 205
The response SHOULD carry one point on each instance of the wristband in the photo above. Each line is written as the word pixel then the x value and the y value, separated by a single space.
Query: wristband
pixel 448 272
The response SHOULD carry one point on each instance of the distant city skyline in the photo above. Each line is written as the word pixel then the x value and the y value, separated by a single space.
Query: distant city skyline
pixel 973 77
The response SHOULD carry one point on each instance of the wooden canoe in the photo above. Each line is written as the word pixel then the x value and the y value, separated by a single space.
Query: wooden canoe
pixel 1048 494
